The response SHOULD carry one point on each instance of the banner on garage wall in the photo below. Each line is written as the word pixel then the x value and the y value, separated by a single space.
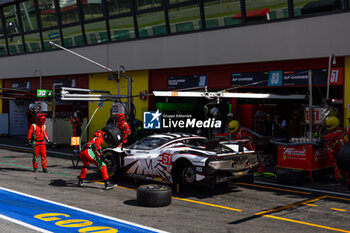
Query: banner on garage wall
pixel 287 78
pixel 188 81
pixel 65 82
pixel 23 85
pixel 253 79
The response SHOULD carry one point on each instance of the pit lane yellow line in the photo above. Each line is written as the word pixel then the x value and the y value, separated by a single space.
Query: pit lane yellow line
pixel 184 199
pixel 307 202
pixel 306 223
pixel 290 206
pixel 268 187
pixel 268 212
pixel 208 204
pixel 336 209
pixel 15 148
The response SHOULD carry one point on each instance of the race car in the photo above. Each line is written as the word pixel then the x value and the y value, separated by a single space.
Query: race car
pixel 175 158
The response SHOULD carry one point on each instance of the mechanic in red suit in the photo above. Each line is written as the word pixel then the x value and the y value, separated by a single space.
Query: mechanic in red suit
pixel 334 141
pixel 77 121
pixel 237 133
pixel 36 136
pixel 92 153
pixel 123 127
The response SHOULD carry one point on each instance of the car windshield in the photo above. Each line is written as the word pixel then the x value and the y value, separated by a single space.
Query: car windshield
pixel 149 143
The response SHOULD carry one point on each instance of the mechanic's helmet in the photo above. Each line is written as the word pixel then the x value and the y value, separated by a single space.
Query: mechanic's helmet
pixel 77 114
pixel 31 107
pixel 40 119
pixel 229 115
pixel 233 126
pixel 120 117
pixel 214 111
pixel 332 123
pixel 99 134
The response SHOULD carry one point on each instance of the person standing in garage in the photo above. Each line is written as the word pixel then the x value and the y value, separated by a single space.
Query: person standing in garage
pixel 123 127
pixel 334 141
pixel 92 153
pixel 77 121
pixel 36 136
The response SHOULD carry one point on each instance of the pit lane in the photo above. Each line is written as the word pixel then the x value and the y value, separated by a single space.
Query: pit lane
pixel 258 207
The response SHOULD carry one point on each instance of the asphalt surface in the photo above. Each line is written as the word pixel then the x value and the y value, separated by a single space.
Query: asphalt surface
pixel 265 206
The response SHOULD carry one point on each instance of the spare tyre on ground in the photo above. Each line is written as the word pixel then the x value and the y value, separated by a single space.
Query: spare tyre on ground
pixel 154 195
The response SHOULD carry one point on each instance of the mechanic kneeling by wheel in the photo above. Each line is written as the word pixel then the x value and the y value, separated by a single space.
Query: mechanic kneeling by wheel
pixel 92 152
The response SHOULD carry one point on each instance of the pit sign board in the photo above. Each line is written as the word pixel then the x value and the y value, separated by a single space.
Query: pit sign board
pixel 317 115
pixel 75 141
pixel 41 93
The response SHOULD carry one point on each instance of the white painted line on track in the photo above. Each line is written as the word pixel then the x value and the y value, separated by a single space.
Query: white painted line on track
pixel 83 210
pixel 24 224
pixel 304 189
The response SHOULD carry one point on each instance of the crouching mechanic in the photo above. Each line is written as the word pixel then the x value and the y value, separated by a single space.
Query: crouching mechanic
pixel 36 137
pixel 92 153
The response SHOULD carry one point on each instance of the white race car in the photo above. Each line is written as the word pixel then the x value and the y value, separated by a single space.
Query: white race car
pixel 182 158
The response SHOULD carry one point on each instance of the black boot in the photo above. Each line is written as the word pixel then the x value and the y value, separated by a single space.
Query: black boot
pixel 35 170
pixel 81 182
pixel 45 170
pixel 108 185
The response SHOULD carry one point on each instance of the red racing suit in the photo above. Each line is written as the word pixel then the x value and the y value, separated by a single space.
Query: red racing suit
pixel 334 141
pixel 124 128
pixel 75 121
pixel 91 154
pixel 37 134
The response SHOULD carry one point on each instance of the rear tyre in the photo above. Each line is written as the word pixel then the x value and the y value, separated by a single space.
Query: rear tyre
pixel 188 175
pixel 183 172
pixel 112 161
pixel 154 195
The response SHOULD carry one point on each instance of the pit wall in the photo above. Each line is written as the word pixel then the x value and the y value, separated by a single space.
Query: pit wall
pixel 101 81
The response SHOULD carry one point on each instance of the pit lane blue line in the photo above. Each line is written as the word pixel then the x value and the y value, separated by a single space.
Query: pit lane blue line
pixel 48 216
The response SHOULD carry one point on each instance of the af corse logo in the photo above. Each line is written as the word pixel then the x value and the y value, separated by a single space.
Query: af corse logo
pixel 151 120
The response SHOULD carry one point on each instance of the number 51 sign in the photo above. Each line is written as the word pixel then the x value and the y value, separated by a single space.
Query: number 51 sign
pixel 336 77
pixel 75 141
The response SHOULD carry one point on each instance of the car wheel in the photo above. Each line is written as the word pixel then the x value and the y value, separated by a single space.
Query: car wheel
pixel 188 175
pixel 111 161
pixel 154 195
